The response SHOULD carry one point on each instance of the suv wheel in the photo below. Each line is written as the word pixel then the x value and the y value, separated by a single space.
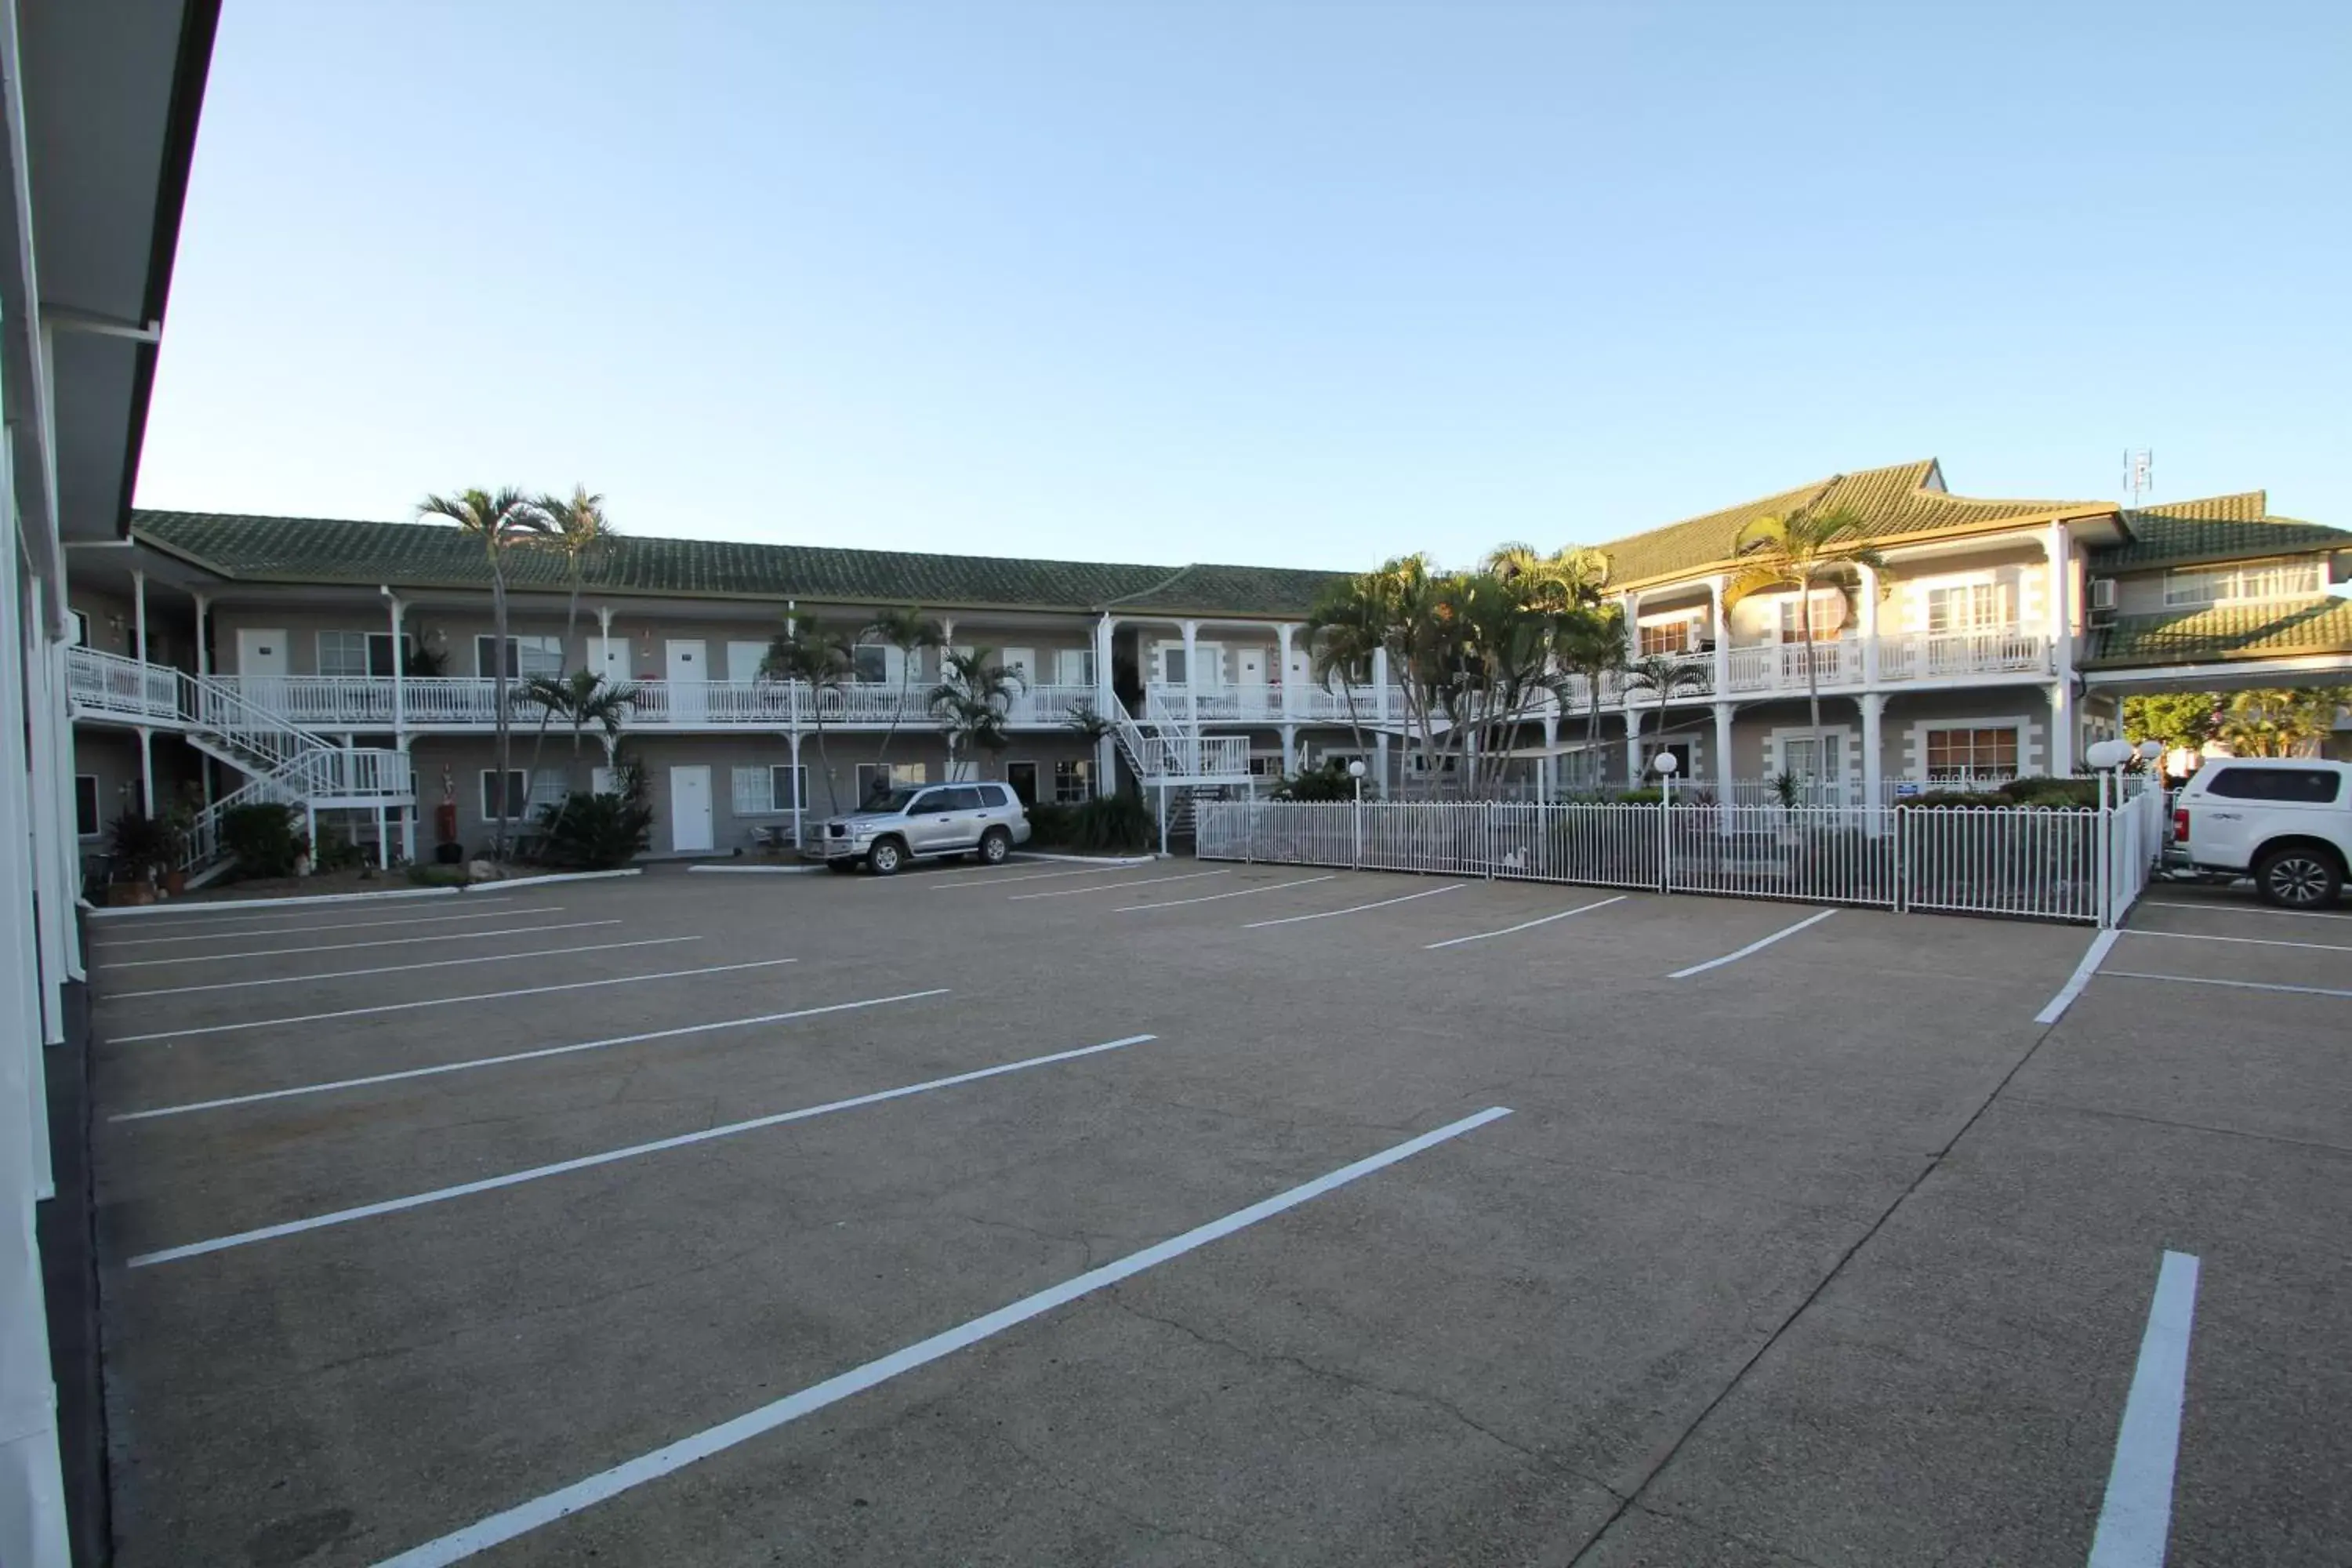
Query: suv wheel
pixel 2298 877
pixel 994 845
pixel 886 857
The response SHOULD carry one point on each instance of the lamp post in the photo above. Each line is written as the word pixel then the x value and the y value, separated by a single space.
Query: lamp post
pixel 1356 771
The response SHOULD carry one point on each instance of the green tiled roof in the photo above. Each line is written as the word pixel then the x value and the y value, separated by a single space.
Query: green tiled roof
pixel 2218 528
pixel 2227 632
pixel 427 555
pixel 1906 498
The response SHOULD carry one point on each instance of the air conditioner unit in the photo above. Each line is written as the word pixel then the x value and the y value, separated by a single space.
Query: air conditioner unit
pixel 2103 594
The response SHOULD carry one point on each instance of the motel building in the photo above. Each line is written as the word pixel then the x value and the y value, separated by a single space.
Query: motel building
pixel 348 668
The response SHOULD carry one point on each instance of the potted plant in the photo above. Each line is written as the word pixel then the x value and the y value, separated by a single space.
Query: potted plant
pixel 174 827
pixel 141 849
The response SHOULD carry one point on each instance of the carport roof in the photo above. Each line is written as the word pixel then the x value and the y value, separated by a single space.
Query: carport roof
pixel 2225 632
pixel 426 555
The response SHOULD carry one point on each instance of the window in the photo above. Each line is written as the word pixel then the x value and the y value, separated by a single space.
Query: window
pixel 526 657
pixel 768 791
pixel 964 797
pixel 1964 607
pixel 2302 787
pixel 1023 777
pixel 81 627
pixel 86 821
pixel 1266 764
pixel 2246 584
pixel 879 778
pixel 1679 749
pixel 1669 636
pixel 517 794
pixel 1171 666
pixel 1958 753
pixel 1073 667
pixel 995 795
pixel 343 654
pixel 870 661
pixel 1829 614
pixel 1074 782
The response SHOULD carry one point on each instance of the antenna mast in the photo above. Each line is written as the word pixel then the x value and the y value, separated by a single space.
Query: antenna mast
pixel 2138 468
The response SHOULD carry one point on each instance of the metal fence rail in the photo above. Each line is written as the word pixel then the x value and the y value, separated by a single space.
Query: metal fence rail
pixel 2076 865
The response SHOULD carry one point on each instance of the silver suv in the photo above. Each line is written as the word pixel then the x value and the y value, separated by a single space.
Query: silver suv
pixel 2287 822
pixel 923 821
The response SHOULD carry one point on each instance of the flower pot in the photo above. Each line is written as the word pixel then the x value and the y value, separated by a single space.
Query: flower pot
pixel 119 895
pixel 175 882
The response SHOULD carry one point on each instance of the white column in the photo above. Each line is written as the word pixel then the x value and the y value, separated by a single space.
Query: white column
pixel 1191 676
pixel 409 813
pixel 1633 747
pixel 1104 696
pixel 139 615
pixel 604 642
pixel 1381 685
pixel 1632 624
pixel 1722 618
pixel 1873 709
pixel 33 1528
pixel 793 738
pixel 399 671
pixel 146 771
pixel 1382 742
pixel 51 837
pixel 1291 760
pixel 1869 618
pixel 204 634
pixel 1724 776
pixel 1283 632
pixel 1547 769
pixel 2060 592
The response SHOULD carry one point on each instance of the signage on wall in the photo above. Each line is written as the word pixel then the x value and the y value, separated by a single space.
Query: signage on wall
pixel 1904 789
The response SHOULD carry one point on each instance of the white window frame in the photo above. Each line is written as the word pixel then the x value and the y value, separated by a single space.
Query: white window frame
pixel 520 644
pixel 1686 621
pixel 2246 583
pixel 1784 615
pixel 882 651
pixel 489 808
pixel 1085 665
pixel 892 776
pixel 759 800
pixel 340 638
pixel 1930 730
pixel 1068 769
pixel 1980 588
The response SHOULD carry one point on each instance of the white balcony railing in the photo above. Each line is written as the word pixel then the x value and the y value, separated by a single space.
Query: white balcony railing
pixel 102 682
pixel 1958 655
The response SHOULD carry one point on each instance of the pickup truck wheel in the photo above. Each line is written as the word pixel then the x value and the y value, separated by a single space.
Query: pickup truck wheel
pixel 886 857
pixel 2298 877
pixel 994 845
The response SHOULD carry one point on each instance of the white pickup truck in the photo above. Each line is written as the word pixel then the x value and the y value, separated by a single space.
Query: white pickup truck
pixel 2286 822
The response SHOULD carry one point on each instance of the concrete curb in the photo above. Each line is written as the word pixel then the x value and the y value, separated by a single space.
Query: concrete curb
pixel 552 877
pixel 186 907
pixel 1104 860
pixel 757 870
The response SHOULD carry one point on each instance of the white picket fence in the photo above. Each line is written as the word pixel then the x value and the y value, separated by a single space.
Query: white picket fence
pixel 2079 865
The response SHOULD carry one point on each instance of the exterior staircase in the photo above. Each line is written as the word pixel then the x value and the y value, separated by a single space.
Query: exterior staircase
pixel 1166 751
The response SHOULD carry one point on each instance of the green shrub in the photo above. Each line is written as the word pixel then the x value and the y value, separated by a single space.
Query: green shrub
pixel 427 875
pixel 1110 822
pixel 1330 781
pixel 265 839
pixel 595 832
pixel 1641 796
pixel 1952 800
pixel 334 850
pixel 1049 824
pixel 143 846
pixel 2053 792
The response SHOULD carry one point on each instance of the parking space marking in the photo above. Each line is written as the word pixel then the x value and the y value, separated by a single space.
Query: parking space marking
pixel 2136 1514
pixel 339 925
pixel 2245 909
pixel 635 1151
pixel 1358 908
pixel 351 946
pixel 441 1001
pixel 1758 946
pixel 2248 941
pixel 395 968
pixel 522 1519
pixel 1523 925
pixel 991 880
pixel 1116 887
pixel 1212 898
pixel 2093 956
pixel 2235 985
pixel 520 1057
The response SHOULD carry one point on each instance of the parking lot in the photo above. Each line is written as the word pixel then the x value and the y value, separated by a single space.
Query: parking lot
pixel 1189 1213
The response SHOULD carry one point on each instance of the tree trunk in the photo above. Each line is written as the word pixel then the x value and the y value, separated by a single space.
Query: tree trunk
pixel 504 730
pixel 824 758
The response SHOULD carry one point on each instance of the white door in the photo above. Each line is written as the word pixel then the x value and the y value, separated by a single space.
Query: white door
pixel 1250 663
pixel 609 657
pixel 260 653
pixel 689 669
pixel 690 809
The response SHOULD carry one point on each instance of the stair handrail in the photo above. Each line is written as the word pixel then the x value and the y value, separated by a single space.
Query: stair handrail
pixel 223 709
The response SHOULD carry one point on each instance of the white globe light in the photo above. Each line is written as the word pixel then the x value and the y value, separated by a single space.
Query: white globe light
pixel 2150 750
pixel 2110 753
pixel 1665 762
pixel 1356 769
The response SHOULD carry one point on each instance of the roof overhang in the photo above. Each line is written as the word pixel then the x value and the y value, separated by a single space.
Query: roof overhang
pixel 2223 675
pixel 2097 524
pixel 101 103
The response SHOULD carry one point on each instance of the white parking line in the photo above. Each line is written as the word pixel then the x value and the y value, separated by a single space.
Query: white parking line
pixel 339 925
pixel 1523 925
pixel 1358 908
pixel 995 879
pixel 441 1001
pixel 2093 956
pixel 524 1517
pixel 1116 887
pixel 519 1057
pixel 395 968
pixel 2248 941
pixel 2245 909
pixel 1212 898
pixel 1760 946
pixel 2233 984
pixel 351 946
pixel 587 1162
pixel 2136 1514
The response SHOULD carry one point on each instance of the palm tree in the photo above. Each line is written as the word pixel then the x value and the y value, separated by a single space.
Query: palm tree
pixel 1568 578
pixel 1591 644
pixel 1806 551
pixel 1665 675
pixel 1344 629
pixel 971 699
pixel 582 534
pixel 910 632
pixel 501 520
pixel 820 661
pixel 582 698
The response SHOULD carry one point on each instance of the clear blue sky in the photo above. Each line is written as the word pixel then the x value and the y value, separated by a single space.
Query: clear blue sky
pixel 1298 284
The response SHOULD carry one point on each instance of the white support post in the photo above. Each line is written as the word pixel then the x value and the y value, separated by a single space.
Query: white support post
pixel 51 837
pixel 1721 618
pixel 1191 676
pixel 2060 592
pixel 146 771
pixel 1291 760
pixel 1868 594
pixel 408 812
pixel 1381 740
pixel 1633 747
pixel 1380 691
pixel 1548 771
pixel 1290 705
pixel 399 670
pixel 139 615
pixel 204 634
pixel 1632 624
pixel 792 739
pixel 1874 710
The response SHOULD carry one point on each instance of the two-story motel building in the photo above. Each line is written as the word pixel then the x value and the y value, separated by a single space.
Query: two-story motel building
pixel 1997 639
